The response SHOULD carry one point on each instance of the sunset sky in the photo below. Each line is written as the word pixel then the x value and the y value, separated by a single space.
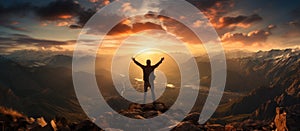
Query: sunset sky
pixel 54 25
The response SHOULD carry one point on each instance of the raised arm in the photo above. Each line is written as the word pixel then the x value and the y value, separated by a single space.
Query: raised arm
pixel 136 62
pixel 158 63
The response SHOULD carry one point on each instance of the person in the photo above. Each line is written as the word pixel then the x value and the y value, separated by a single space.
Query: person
pixel 148 76
pixel 280 120
pixel 277 118
pixel 283 121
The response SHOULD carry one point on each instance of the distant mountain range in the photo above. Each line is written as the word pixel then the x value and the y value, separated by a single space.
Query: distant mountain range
pixel 41 84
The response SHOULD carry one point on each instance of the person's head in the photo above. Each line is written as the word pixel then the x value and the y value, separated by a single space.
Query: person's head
pixel 277 110
pixel 148 62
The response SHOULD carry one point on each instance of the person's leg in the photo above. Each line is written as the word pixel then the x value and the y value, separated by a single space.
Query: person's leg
pixel 145 96
pixel 146 85
pixel 152 91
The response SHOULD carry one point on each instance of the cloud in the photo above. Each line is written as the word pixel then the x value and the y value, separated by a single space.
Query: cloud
pixel 103 2
pixel 120 29
pixel 253 37
pixel 238 21
pixel 19 40
pixel 58 10
pixel 197 23
pixel 207 4
pixel 75 27
pixel 14 27
pixel 126 7
pixel 94 1
pixel 62 11
pixel 84 16
pixel 106 2
pixel 154 21
pixel 144 26
pixel 15 10
pixel 136 27
pixel 214 10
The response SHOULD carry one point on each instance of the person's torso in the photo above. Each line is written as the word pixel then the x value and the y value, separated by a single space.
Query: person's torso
pixel 148 73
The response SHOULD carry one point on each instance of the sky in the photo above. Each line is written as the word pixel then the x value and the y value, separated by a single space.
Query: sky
pixel 54 25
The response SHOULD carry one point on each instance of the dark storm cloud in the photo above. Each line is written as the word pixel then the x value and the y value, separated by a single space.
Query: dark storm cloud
pixel 18 9
pixel 15 10
pixel 84 16
pixel 206 4
pixel 59 9
pixel 66 9
pixel 241 19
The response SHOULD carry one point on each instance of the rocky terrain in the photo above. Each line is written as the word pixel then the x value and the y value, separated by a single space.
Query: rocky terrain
pixel 280 69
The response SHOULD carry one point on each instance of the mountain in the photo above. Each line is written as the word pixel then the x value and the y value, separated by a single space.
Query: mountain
pixel 59 61
pixel 30 58
pixel 256 84
pixel 46 91
pixel 280 70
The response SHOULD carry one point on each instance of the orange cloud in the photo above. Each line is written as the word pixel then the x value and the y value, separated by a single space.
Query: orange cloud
pixel 93 1
pixel 126 7
pixel 250 38
pixel 62 23
pixel 197 23
pixel 238 21
pixel 105 2
pixel 65 16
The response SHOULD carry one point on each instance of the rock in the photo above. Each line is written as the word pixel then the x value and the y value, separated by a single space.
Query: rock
pixel 150 114
pixel 160 107
pixel 229 127
pixel 130 114
pixel 215 127
pixel 134 106
pixel 148 107
pixel 192 117
pixel 186 126
pixel 139 117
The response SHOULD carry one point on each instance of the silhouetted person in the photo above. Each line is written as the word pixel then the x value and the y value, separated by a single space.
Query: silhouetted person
pixel 148 76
